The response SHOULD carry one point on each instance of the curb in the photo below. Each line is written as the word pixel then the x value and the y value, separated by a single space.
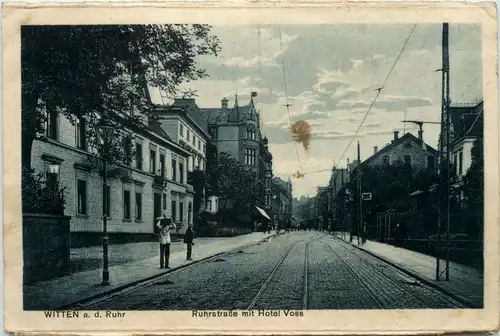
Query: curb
pixel 429 283
pixel 81 302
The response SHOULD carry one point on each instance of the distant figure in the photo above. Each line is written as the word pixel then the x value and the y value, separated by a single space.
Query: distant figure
pixel 165 225
pixel 188 240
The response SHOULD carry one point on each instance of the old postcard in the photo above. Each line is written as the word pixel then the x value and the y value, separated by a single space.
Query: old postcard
pixel 250 168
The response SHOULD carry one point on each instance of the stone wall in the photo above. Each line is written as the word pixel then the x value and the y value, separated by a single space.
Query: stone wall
pixel 46 246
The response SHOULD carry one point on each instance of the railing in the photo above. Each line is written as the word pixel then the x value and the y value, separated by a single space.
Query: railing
pixel 463 251
pixel 160 180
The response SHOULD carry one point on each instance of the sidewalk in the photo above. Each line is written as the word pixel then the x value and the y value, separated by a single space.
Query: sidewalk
pixel 58 292
pixel 466 283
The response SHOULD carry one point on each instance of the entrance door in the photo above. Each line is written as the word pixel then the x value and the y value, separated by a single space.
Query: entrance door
pixel 157 209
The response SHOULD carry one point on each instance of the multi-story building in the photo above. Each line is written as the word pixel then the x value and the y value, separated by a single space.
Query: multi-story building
pixel 467 127
pixel 154 183
pixel 236 131
pixel 407 150
pixel 281 201
pixel 188 127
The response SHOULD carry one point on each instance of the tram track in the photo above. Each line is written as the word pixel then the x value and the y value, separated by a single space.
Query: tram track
pixel 355 275
pixel 305 283
pixel 390 279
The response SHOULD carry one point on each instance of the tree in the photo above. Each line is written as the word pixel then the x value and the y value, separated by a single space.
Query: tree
pixel 474 189
pixel 236 185
pixel 84 70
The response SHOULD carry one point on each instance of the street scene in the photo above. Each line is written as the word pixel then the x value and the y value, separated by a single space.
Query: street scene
pixel 296 167
pixel 296 271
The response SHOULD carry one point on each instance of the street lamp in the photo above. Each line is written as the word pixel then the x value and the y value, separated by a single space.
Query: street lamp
pixel 104 127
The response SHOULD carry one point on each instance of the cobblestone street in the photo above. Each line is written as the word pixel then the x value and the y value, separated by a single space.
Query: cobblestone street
pixel 297 270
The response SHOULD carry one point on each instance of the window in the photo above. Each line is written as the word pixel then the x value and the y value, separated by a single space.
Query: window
pixel 181 172
pixel 407 160
pixel 152 161
pixel 386 159
pixel 181 212
pixel 138 206
pixel 126 204
pixel 250 156
pixel 82 197
pixel 455 163
pixel 204 148
pixel 251 132
pixel 430 162
pixel 460 162
pixel 138 155
pixel 162 165
pixel 209 205
pixel 174 217
pixel 188 135
pixel 127 150
pixel 164 201
pixel 106 204
pixel 174 170
pixel 52 124
pixel 181 130
pixel 194 141
pixel 199 144
pixel 80 134
pixel 407 145
pixel 213 132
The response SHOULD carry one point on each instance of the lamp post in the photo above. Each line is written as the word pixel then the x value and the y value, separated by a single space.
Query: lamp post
pixel 104 127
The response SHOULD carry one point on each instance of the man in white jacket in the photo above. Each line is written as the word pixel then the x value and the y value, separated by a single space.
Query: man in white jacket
pixel 165 225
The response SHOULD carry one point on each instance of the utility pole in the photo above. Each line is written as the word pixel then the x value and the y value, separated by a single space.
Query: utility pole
pixel 360 201
pixel 342 204
pixel 444 174
pixel 334 210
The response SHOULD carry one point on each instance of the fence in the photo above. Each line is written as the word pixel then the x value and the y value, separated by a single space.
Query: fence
pixel 464 251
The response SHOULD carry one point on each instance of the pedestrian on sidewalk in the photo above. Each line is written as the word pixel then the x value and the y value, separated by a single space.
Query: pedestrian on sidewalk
pixel 188 240
pixel 165 224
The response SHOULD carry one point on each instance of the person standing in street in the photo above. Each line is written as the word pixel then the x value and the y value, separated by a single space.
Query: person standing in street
pixel 165 225
pixel 188 240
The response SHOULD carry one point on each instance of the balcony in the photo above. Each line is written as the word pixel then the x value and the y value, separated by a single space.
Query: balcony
pixel 160 181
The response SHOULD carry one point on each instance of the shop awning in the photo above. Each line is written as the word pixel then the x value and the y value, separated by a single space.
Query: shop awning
pixel 262 212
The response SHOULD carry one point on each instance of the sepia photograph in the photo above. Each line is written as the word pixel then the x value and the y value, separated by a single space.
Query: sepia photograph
pixel 252 170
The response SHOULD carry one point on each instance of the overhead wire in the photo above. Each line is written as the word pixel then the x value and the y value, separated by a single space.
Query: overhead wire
pixel 371 105
pixel 286 100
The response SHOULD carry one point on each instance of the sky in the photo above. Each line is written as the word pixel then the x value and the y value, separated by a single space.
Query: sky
pixel 329 75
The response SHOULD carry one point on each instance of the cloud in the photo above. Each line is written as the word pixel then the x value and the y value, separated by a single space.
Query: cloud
pixel 332 72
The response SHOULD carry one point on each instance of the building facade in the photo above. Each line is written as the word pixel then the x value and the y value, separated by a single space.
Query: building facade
pixel 282 202
pixel 153 184
pixel 189 129
pixel 236 131
pixel 467 126
pixel 407 150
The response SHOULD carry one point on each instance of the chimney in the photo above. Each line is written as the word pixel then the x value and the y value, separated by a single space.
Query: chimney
pixel 224 103
pixel 396 135
pixel 375 149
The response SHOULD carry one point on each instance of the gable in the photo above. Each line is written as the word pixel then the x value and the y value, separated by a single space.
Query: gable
pixel 406 144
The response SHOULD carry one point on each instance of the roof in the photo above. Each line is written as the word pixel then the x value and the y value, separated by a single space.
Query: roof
pixel 467 120
pixel 151 130
pixel 190 111
pixel 155 127
pixel 394 143
pixel 193 111
pixel 215 114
